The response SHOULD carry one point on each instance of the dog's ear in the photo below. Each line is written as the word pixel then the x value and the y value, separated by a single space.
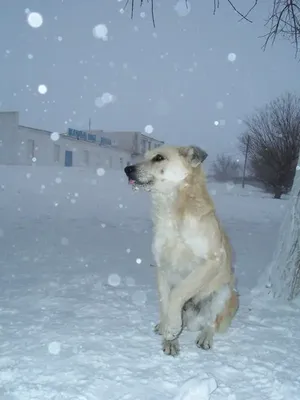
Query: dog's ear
pixel 194 154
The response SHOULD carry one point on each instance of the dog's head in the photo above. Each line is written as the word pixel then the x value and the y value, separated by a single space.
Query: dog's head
pixel 165 167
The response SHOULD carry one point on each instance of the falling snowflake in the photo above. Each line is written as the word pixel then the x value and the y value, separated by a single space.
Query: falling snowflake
pixel 34 159
pixel 219 105
pixel 54 136
pixel 54 348
pixel 298 168
pixel 128 251
pixel 59 38
pixel 149 129
pixel 28 175
pixel 216 123
pixel 231 57
pixel 34 19
pixel 114 280
pixel 138 261
pixel 143 14
pixel 106 98
pixel 100 32
pixel 58 180
pixel 30 56
pixel 103 225
pixel 42 89
pixel 182 8
pixel 100 171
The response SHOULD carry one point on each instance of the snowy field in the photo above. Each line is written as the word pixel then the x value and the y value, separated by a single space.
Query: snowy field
pixel 78 300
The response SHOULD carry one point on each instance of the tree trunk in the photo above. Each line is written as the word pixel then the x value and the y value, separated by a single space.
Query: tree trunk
pixel 284 270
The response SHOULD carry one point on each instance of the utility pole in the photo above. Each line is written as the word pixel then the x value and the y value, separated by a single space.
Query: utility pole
pixel 246 158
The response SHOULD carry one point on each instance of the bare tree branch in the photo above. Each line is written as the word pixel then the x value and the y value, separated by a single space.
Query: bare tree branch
pixel 284 21
pixel 215 7
pixel 244 16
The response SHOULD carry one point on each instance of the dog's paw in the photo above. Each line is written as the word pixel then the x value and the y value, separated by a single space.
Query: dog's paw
pixel 158 329
pixel 171 347
pixel 205 340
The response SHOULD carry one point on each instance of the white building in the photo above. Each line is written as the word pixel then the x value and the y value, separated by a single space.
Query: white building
pixel 20 145
pixel 136 143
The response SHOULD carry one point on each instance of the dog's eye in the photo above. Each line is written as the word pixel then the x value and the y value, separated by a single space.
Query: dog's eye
pixel 158 158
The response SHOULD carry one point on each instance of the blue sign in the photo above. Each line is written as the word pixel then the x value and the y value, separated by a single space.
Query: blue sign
pixel 81 135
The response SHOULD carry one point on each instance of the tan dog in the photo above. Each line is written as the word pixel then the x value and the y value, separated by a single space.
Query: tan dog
pixel 193 255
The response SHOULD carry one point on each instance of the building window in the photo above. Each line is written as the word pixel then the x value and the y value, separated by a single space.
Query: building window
pixel 30 149
pixel 86 157
pixel 149 145
pixel 56 153
pixel 121 162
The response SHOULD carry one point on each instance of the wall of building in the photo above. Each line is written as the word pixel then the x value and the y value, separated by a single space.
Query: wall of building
pixel 134 142
pixel 20 145
pixel 9 122
pixel 45 151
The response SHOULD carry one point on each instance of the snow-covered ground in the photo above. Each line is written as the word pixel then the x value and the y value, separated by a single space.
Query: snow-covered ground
pixel 78 300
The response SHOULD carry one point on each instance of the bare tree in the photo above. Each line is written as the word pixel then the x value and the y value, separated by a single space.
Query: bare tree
pixel 274 144
pixel 225 168
pixel 283 20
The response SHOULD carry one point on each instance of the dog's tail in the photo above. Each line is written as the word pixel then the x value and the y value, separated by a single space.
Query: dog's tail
pixel 223 320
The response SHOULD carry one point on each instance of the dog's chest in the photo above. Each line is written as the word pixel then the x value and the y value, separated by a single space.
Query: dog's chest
pixel 178 246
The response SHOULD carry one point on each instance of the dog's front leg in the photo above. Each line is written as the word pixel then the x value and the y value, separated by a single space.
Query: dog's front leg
pixel 203 282
pixel 163 293
pixel 170 347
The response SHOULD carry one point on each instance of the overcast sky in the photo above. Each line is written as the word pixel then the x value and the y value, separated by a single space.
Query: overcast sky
pixel 176 77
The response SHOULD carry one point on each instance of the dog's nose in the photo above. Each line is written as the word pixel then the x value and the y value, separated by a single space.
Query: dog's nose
pixel 129 169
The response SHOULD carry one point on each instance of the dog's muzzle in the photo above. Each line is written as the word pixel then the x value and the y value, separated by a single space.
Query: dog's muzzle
pixel 130 171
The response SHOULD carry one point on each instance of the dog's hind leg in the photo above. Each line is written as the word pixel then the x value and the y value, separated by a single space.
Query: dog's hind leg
pixel 213 317
pixel 205 339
